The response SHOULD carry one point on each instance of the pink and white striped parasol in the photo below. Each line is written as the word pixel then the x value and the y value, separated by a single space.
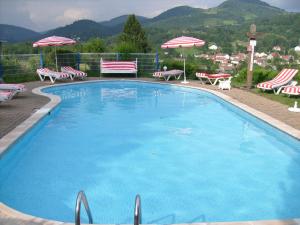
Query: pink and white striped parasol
pixel 183 42
pixel 54 41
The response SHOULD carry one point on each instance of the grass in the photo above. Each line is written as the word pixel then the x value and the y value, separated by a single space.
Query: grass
pixel 284 99
pixel 20 78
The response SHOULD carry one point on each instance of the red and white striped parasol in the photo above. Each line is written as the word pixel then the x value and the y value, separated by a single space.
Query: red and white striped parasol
pixel 54 41
pixel 183 42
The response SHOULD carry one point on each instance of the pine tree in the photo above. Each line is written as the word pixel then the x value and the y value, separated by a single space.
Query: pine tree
pixel 134 35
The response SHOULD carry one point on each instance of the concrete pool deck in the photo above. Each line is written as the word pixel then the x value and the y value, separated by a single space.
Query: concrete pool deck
pixel 13 114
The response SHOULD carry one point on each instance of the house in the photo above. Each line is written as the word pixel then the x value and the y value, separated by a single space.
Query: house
pixel 273 55
pixel 277 48
pixel 260 55
pixel 286 57
pixel 297 48
pixel 261 62
pixel 225 67
pixel 213 47
pixel 222 58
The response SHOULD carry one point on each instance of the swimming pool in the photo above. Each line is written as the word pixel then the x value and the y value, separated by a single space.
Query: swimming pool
pixel 190 155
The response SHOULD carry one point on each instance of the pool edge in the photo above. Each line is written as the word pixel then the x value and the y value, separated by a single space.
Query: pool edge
pixel 10 138
pixel 10 216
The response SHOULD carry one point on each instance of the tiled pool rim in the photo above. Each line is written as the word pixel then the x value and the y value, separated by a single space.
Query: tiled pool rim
pixel 20 130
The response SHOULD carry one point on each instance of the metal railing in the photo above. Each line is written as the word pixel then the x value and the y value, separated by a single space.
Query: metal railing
pixel 26 64
pixel 137 211
pixel 82 198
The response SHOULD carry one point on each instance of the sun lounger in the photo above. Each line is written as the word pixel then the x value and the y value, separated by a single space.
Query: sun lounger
pixel 73 73
pixel 6 95
pixel 212 78
pixel 168 74
pixel 291 90
pixel 13 87
pixel 53 75
pixel 283 78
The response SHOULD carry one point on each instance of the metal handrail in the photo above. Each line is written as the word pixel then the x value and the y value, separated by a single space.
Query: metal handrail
pixel 82 198
pixel 137 211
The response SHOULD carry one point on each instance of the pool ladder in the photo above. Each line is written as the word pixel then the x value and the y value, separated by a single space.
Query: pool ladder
pixel 81 197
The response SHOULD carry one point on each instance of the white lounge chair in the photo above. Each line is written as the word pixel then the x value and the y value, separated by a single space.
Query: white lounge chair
pixel 13 87
pixel 284 78
pixel 168 74
pixel 212 78
pixel 225 84
pixel 291 90
pixel 73 73
pixel 53 75
pixel 6 95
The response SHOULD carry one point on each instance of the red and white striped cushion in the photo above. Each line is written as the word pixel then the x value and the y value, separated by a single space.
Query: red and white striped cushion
pixel 15 87
pixel 291 90
pixel 218 75
pixel 285 76
pixel 157 74
pixel 202 75
pixel 119 65
pixel 71 70
pixel 48 72
pixel 5 94
pixel 213 76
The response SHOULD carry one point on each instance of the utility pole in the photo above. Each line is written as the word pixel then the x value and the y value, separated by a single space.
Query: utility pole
pixel 252 43
pixel 1 66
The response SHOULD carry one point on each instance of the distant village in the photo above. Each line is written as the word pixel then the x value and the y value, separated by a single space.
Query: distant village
pixel 229 63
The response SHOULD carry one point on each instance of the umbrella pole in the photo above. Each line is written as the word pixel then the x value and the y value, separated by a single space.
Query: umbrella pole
pixel 184 76
pixel 55 59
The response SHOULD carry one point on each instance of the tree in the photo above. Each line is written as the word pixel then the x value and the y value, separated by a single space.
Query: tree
pixel 134 35
pixel 94 45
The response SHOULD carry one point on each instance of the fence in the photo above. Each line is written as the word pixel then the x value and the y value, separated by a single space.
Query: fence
pixel 25 65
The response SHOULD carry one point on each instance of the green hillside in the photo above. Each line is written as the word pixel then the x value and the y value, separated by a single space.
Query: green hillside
pixel 16 34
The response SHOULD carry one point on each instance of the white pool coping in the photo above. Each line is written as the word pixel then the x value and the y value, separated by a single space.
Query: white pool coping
pixel 10 138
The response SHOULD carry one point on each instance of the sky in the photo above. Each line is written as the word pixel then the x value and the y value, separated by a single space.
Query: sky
pixel 42 15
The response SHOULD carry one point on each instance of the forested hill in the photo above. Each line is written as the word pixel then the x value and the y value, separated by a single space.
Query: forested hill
pixel 16 34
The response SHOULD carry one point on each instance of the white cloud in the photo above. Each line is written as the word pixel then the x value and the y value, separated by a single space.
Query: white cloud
pixel 72 14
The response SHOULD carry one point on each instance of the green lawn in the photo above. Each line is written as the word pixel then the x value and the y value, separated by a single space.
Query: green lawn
pixel 284 99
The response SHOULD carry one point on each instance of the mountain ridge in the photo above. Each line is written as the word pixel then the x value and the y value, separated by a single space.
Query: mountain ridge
pixel 230 12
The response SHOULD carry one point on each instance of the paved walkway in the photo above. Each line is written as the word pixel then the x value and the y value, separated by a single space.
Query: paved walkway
pixel 18 109
pixel 14 112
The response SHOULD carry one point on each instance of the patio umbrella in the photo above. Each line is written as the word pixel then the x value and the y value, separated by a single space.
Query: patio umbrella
pixel 183 42
pixel 54 41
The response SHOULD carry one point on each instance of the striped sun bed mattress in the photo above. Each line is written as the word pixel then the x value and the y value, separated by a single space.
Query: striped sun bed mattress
pixel 168 74
pixel 291 90
pixel 212 78
pixel 53 75
pixel 283 78
pixel 73 73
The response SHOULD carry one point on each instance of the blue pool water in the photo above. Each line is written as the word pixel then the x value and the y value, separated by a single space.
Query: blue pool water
pixel 190 155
